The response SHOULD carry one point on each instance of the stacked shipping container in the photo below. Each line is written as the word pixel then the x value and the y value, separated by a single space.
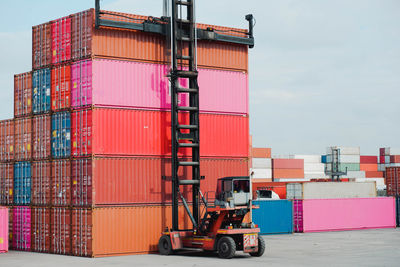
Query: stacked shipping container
pixel 92 136
pixel 261 164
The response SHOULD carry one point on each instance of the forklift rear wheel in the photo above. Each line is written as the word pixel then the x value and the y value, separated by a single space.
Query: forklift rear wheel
pixel 261 248
pixel 226 247
pixel 164 245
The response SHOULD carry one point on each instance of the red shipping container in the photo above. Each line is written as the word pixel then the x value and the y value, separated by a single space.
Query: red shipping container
pixel 23 139
pixel 61 182
pixel 112 181
pixel 61 230
pixel 6 183
pixel 6 140
pixel 368 159
pixel 22 94
pixel 287 164
pixel 395 159
pixel 61 39
pixel 82 227
pixel 147 47
pixel 287 173
pixel 277 187
pixel 373 167
pixel 382 151
pixel 41 183
pixel 373 174
pixel 41 137
pixel 40 229
pixel 392 176
pixel 106 131
pixel 61 87
pixel 382 159
pixel 41 45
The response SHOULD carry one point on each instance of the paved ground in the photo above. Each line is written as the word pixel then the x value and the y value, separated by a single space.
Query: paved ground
pixel 349 248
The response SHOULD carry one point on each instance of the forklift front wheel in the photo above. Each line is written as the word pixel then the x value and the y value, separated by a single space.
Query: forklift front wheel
pixel 261 248
pixel 226 247
pixel 164 245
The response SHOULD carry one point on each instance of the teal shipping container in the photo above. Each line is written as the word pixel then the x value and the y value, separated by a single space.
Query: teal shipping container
pixel 274 216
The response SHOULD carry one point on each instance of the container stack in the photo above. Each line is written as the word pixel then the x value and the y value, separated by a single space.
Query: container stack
pixel 392 175
pixel 92 133
pixel 261 164
pixel 287 169
pixel 349 158
pixel 313 167
pixel 388 157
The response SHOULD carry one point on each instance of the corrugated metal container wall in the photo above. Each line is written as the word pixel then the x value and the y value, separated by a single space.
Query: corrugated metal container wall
pixel 392 176
pixel 61 230
pixel 61 182
pixel 41 83
pixel 41 45
pixel 61 40
pixel 22 183
pixel 6 183
pixel 141 46
pixel 118 231
pixel 274 216
pixel 398 211
pixel 106 181
pixel 288 173
pixel 61 87
pixel 6 140
pixel 3 229
pixel 105 131
pixel 23 139
pixel 288 163
pixel 41 137
pixel 333 214
pixel 368 159
pixel 104 82
pixel 298 216
pixel 40 229
pixel 61 135
pixel 41 183
pixel 10 225
pixel 22 94
pixel 21 235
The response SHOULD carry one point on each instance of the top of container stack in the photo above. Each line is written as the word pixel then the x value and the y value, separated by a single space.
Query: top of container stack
pixel 75 37
pixel 344 150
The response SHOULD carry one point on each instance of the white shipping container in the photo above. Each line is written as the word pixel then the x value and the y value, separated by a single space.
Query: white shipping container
pixel 309 158
pixel 344 150
pixel 314 167
pixel 262 163
pixel 381 167
pixel 291 180
pixel 355 174
pixel 394 151
pixel 345 158
pixel 262 173
pixel 387 151
pixel 319 190
pixel 315 175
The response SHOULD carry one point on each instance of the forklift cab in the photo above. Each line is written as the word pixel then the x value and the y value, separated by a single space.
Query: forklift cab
pixel 233 191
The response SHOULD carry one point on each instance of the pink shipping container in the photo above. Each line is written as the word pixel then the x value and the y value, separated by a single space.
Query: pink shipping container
pixel 41 137
pixel 288 163
pixel 316 215
pixel 6 183
pixel 127 132
pixel 6 140
pixel 61 40
pixel 21 228
pixel 41 183
pixel 3 229
pixel 104 82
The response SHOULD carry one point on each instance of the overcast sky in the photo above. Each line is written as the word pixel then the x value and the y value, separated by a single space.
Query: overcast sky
pixel 322 72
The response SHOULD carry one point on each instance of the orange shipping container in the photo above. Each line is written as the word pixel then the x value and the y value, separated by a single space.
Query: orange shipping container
pixel 41 45
pixel 113 181
pixel 6 140
pixel 112 231
pixel 23 139
pixel 61 87
pixel 6 183
pixel 369 167
pixel 258 152
pixel 40 229
pixel 288 173
pixel 140 46
pixel 41 137
pixel 22 94
pixel 61 230
pixel 374 174
pixel 277 187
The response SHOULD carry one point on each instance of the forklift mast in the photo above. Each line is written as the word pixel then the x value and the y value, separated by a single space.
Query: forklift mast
pixel 183 66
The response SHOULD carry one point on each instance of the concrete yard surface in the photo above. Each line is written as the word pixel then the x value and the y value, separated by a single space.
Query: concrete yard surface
pixel 379 247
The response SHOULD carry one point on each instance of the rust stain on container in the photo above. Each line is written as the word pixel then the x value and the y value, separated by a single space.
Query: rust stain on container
pixel 41 137
pixel 22 94
pixel 41 183
pixel 23 139
pixel 40 229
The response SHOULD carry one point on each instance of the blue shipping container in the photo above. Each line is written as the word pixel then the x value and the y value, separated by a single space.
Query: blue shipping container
pixel 61 135
pixel 41 84
pixel 324 159
pixel 274 216
pixel 22 183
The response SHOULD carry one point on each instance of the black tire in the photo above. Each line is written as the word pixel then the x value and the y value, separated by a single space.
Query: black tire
pixel 261 248
pixel 226 247
pixel 164 245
